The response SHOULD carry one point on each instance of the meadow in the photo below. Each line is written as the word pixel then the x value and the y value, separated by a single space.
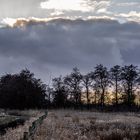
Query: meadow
pixel 78 125
pixel 85 125
pixel 13 128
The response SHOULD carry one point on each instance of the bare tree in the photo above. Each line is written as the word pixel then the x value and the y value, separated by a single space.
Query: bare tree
pixel 73 81
pixel 101 77
pixel 97 92
pixel 60 92
pixel 87 83
pixel 129 76
pixel 115 75
pixel 49 93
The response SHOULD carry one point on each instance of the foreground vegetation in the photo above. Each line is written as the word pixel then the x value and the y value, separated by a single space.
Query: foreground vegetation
pixel 13 129
pixel 77 125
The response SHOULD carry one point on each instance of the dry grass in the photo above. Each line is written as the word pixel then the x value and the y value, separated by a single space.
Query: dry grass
pixel 76 125
pixel 17 134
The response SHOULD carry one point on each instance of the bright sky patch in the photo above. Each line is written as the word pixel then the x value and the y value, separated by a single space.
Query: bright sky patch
pixel 76 5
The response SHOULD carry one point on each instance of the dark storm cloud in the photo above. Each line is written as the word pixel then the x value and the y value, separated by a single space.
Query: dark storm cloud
pixel 59 45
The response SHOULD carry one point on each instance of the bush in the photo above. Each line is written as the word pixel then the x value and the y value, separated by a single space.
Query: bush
pixel 21 91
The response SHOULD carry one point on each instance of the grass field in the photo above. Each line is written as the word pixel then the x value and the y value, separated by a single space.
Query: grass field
pixel 16 132
pixel 77 125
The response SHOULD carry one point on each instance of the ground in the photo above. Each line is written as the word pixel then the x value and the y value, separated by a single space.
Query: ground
pixel 8 116
pixel 80 125
pixel 83 125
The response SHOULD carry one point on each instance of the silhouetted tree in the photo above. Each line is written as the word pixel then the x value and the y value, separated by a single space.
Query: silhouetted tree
pixel 129 77
pixel 21 91
pixel 115 75
pixel 97 91
pixel 73 81
pixel 49 94
pixel 87 83
pixel 60 92
pixel 101 77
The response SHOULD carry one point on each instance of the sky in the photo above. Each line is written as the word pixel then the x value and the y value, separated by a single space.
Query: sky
pixel 50 37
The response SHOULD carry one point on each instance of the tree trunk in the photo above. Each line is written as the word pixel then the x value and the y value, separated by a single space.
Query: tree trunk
pixel 87 91
pixel 116 93
pixel 95 97
pixel 102 98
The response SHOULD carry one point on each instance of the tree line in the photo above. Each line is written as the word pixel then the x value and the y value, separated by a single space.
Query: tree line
pixel 115 87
